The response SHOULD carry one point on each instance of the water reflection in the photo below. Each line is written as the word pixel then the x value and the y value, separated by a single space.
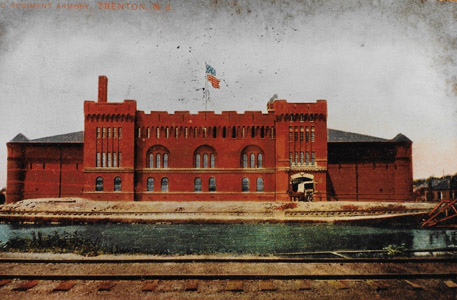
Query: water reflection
pixel 260 239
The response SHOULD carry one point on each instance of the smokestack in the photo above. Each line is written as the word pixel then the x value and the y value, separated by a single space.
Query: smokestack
pixel 102 89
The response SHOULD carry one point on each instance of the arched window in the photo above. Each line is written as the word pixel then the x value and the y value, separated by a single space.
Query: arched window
pixel 158 160
pixel 255 155
pixel 150 184
pixel 212 160
pixel 212 184
pixel 99 184
pixel 157 153
pixel 165 160
pixel 151 160
pixel 197 184
pixel 117 184
pixel 205 160
pixel 205 156
pixel 164 184
pixel 245 160
pixel 197 160
pixel 259 160
pixel 245 185
pixel 259 187
pixel 214 132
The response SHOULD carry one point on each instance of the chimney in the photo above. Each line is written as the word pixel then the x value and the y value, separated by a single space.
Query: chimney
pixel 102 89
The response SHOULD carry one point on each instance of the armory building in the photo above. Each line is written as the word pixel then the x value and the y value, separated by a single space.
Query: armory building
pixel 285 154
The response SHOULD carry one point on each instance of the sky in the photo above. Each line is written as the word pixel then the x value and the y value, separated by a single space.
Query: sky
pixel 384 67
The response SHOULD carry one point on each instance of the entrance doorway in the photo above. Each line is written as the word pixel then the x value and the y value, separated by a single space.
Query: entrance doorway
pixel 301 187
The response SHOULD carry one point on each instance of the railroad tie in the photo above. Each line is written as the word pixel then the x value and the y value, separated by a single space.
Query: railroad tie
pixel 106 286
pixel 450 284
pixel 340 284
pixel 378 285
pixel 64 286
pixel 4 282
pixel 303 285
pixel 150 286
pixel 413 285
pixel 267 286
pixel 234 286
pixel 26 285
pixel 191 286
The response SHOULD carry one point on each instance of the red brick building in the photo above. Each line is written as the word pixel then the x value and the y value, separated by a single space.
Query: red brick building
pixel 285 154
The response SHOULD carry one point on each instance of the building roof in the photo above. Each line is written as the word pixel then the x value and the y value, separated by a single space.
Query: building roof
pixel 333 136
pixel 441 184
pixel 73 137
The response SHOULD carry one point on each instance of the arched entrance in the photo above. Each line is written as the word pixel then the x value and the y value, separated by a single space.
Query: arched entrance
pixel 301 187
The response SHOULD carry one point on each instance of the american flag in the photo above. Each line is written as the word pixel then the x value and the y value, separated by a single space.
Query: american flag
pixel 211 76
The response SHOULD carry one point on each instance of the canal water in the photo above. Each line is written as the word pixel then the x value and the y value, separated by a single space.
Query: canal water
pixel 257 239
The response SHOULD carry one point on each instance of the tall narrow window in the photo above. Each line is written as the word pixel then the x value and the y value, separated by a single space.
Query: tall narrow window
pixel 176 132
pixel 98 132
pixel 245 160
pixel 252 160
pixel 151 160
pixel 224 132
pixel 150 184
pixel 115 159
pixel 307 158
pixel 195 132
pixel 272 132
pixel 214 132
pixel 313 158
pixel 253 131
pixel 245 185
pixel 99 184
pixel 98 160
pixel 301 157
pixel 167 132
pixel 259 160
pixel 204 132
pixel 139 132
pixel 103 132
pixel 157 132
pixel 165 160
pixel 259 187
pixel 148 132
pixel 205 160
pixel 120 160
pixel 197 184
pixel 212 184
pixel 212 160
pixel 120 132
pixel 296 158
pixel 186 132
pixel 158 161
pixel 103 159
pixel 197 160
pixel 290 158
pixel 109 132
pixel 117 184
pixel 115 132
pixel 307 134
pixel 243 133
pixel 164 184
pixel 109 160
pixel 233 132
pixel 312 134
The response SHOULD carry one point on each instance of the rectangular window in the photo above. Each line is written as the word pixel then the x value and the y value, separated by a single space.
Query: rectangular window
pixel 301 136
pixel 109 160
pixel 98 132
pixel 120 159
pixel 115 160
pixel 186 132
pixel 195 132
pixel 307 134
pixel 290 158
pixel 295 136
pixel 120 132
pixel 296 158
pixel 148 132
pixel 272 132
pixel 157 132
pixel 301 157
pixel 109 132
pixel 243 133
pixel 115 132
pixel 139 132
pixel 312 134
pixel 176 132
pixel 313 158
pixel 97 163
pixel 307 158
pixel 204 132
pixel 167 132
pixel 103 159
pixel 103 132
